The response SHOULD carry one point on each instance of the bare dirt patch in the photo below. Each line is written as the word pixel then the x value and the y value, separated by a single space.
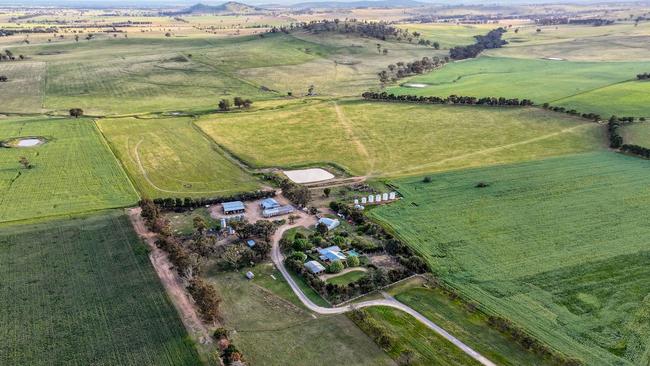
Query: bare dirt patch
pixel 308 175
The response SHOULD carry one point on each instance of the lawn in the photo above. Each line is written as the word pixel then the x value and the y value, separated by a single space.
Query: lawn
pixel 557 246
pixel 272 329
pixel 366 138
pixel 539 80
pixel 346 278
pixel 637 134
pixel 82 292
pixel 170 157
pixel 74 171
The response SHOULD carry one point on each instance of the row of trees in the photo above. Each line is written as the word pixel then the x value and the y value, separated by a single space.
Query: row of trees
pixel 636 150
pixel 183 204
pixel 378 30
pixel 644 76
pixel 9 56
pixel 296 193
pixel 491 40
pixel 401 70
pixel 230 354
pixel 452 99
pixel 239 102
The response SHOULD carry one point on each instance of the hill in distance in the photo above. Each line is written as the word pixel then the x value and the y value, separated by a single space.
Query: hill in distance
pixel 230 7
pixel 358 4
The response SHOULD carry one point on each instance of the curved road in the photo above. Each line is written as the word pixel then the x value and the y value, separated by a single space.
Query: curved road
pixel 278 260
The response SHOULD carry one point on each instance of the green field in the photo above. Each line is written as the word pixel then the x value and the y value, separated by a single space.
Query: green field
pixel 557 246
pixel 390 139
pixel 169 157
pixel 637 134
pixel 74 171
pixel 23 93
pixel 427 346
pixel 448 35
pixel 83 292
pixel 541 81
pixel 273 329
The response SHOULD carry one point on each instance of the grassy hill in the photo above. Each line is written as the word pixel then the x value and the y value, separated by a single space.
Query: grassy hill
pixel 557 246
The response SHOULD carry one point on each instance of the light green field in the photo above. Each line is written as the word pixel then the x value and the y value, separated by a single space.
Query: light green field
pixel 391 139
pixel 618 42
pixel 83 292
pixel 169 157
pixel 273 330
pixel 74 171
pixel 23 93
pixel 558 246
pixel 539 80
pixel 637 134
pixel 630 98
pixel 449 35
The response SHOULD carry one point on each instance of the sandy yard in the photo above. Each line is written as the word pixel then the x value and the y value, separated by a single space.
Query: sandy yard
pixel 308 175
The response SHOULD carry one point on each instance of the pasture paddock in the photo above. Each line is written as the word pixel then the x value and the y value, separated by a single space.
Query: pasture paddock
pixel 557 246
pixel 73 172
pixel 169 157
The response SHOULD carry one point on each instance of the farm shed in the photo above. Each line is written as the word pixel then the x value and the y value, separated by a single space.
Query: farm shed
pixel 314 267
pixel 331 253
pixel 277 211
pixel 250 243
pixel 250 275
pixel 269 203
pixel 234 207
pixel 330 223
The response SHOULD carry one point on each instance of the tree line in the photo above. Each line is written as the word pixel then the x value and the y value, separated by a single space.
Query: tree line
pixel 644 76
pixel 401 70
pixel 296 193
pixel 239 102
pixel 596 22
pixel 9 56
pixel 184 204
pixel 491 40
pixel 452 99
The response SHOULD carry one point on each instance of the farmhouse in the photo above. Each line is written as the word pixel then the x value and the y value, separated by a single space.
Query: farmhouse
pixel 277 211
pixel 314 267
pixel 234 207
pixel 330 223
pixel 331 254
pixel 269 203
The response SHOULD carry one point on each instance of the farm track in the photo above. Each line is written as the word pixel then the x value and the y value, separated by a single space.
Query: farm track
pixel 347 126
pixel 388 301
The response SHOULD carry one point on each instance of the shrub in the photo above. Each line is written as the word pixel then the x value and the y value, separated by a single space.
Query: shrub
pixel 335 267
pixel 353 261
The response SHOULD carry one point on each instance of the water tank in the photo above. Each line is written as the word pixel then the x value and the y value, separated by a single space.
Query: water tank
pixel 391 195
pixel 378 198
pixel 371 199
pixel 384 196
pixel 363 200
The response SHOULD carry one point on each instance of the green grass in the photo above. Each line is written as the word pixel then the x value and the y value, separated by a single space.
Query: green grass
pixel 427 346
pixel 390 139
pixel 539 80
pixel 346 278
pixel 449 35
pixel 630 98
pixel 637 134
pixel 82 292
pixel 555 245
pixel 273 330
pixel 23 93
pixel 182 222
pixel 168 157
pixel 74 171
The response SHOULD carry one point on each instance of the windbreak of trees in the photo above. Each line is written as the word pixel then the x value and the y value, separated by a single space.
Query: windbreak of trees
pixel 596 22
pixel 591 116
pixel 401 70
pixel 491 40
pixel 183 204
pixel 644 76
pixel 452 99
pixel 7 55
pixel 636 150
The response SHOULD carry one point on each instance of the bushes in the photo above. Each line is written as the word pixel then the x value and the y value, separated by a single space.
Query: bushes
pixel 452 99
pixel 353 261
pixel 636 150
pixel 335 267
pixel 372 328
pixel 206 299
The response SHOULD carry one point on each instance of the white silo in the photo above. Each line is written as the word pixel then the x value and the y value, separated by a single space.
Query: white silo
pixel 384 197
pixel 371 199
pixel 391 195
pixel 363 200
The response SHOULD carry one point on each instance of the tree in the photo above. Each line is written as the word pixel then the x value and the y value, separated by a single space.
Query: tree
pixel 335 267
pixel 224 105
pixel 199 224
pixel 310 90
pixel 168 34
pixel 327 191
pixel 353 261
pixel 292 219
pixel 247 103
pixel 239 102
pixel 436 45
pixel 3 79
pixel 25 162
pixel 76 112
pixel 321 228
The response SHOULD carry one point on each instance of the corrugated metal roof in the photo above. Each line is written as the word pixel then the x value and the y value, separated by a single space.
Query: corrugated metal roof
pixel 233 206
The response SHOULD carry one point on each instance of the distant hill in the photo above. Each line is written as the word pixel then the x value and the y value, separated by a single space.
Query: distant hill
pixel 358 4
pixel 231 7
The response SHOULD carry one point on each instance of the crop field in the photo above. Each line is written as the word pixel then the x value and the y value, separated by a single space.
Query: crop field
pixel 23 93
pixel 73 171
pixel 539 80
pixel 366 138
pixel 630 98
pixel 617 42
pixel 168 157
pixel 637 134
pixel 83 292
pixel 272 329
pixel 557 246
